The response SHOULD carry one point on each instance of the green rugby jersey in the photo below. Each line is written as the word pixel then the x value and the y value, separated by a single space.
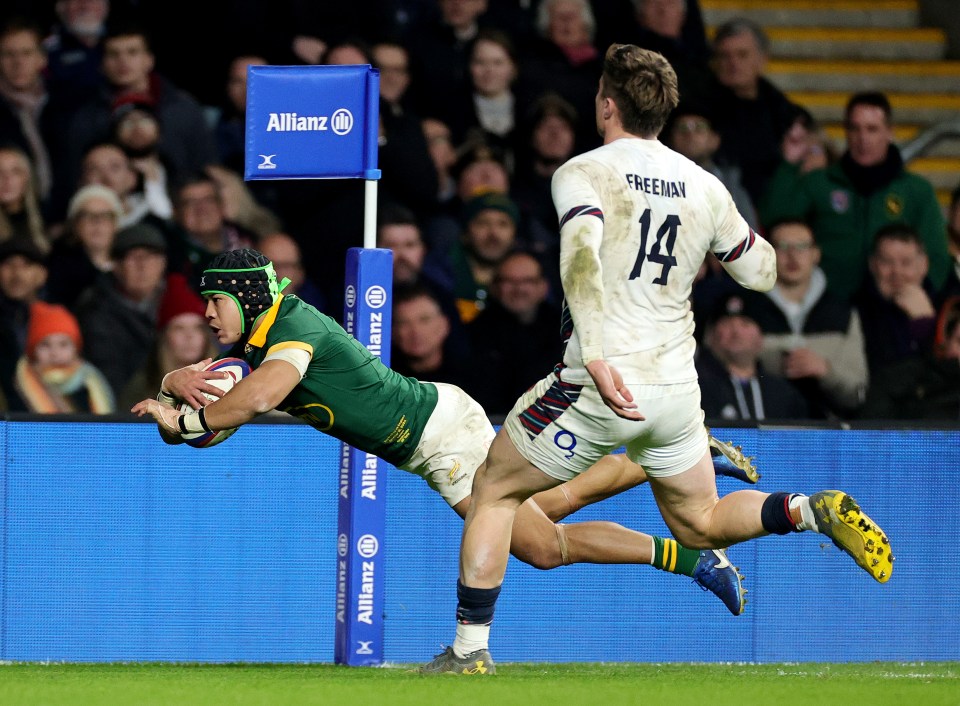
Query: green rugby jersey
pixel 347 392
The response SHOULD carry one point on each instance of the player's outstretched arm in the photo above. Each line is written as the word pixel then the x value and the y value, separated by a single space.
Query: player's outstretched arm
pixel 261 391
pixel 190 383
pixel 756 268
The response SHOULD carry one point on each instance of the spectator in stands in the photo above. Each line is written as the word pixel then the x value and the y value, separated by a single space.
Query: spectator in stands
pixel 489 234
pixel 810 336
pixel 516 337
pixel 440 49
pixel 952 285
pixel 183 338
pixel 82 255
pixel 52 376
pixel 486 109
pixel 551 142
pixel 108 165
pixel 23 274
pixel 896 302
pixel 118 315
pixel 31 118
pixel 205 230
pixel 752 114
pixel 229 132
pixel 733 382
pixel 691 132
pixel 398 231
pixel 804 146
pixel 20 217
pixel 847 203
pixel 565 61
pixel 75 49
pixel 443 155
pixel 477 171
pixel 284 253
pixel 136 131
pixel 185 140
pixel 240 204
pixel 420 333
pixel 661 29
pixel 409 174
pixel 924 386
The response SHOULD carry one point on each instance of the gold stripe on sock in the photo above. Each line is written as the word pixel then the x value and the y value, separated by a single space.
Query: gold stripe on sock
pixel 673 555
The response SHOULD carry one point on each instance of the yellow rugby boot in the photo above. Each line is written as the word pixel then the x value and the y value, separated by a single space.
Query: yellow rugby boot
pixel 841 519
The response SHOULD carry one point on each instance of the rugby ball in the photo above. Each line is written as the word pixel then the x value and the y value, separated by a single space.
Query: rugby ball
pixel 236 370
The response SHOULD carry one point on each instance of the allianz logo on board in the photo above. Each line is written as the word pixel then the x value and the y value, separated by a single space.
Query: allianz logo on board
pixel 340 123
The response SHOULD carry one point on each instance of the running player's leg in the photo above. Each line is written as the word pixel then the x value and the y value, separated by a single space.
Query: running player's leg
pixel 609 476
pixel 691 510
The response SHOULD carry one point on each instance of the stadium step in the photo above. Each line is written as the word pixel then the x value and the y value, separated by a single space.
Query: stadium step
pixel 923 108
pixel 857 43
pixel 815 13
pixel 853 76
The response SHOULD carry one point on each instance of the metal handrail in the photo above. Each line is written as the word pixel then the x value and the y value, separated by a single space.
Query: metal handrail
pixel 928 138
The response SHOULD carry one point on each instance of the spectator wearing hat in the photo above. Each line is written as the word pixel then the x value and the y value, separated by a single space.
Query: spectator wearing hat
pixel 83 253
pixel 23 274
pixel 489 234
pixel 128 74
pixel 691 132
pixel 810 336
pixel 183 338
pixel 52 376
pixel 135 129
pixel 733 382
pixel 118 315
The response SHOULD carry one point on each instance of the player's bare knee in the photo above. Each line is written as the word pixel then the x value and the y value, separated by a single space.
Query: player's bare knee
pixel 694 533
pixel 542 555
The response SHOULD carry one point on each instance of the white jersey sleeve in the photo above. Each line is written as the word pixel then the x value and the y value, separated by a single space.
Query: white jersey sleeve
pixel 636 221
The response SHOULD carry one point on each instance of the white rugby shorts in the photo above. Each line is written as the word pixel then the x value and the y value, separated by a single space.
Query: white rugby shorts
pixel 453 445
pixel 564 428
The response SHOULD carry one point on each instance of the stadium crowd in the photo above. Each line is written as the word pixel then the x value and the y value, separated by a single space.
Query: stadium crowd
pixel 121 150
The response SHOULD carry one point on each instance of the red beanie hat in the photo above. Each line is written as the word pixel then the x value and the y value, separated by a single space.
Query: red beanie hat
pixel 178 299
pixel 47 319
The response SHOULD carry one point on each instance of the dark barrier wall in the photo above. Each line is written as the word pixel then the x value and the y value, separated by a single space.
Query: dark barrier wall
pixel 116 547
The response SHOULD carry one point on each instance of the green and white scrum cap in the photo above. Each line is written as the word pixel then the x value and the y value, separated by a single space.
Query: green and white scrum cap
pixel 247 277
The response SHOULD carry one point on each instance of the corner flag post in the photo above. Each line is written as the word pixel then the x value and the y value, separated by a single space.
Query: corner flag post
pixel 322 122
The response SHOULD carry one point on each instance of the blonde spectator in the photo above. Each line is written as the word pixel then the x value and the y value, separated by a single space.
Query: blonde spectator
pixel 19 208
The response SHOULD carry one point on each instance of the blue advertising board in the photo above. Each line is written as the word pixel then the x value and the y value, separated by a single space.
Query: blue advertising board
pixel 312 122
pixel 358 639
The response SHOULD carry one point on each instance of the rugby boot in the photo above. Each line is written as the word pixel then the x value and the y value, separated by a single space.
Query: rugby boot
pixel 728 460
pixel 478 663
pixel 716 574
pixel 841 519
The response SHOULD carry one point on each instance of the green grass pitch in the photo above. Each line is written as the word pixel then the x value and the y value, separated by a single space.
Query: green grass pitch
pixel 873 684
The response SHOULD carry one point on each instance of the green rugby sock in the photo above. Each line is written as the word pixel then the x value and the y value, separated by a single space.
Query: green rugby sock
pixel 670 556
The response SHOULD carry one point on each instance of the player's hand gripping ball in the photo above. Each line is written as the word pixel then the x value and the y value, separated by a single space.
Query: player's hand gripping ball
pixel 236 369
